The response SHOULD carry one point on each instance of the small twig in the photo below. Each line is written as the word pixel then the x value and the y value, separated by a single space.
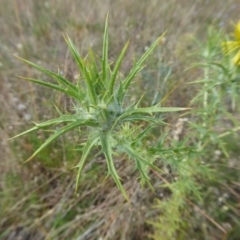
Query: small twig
pixel 89 230
pixel 206 216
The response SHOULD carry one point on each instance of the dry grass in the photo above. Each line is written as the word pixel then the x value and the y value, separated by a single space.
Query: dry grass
pixel 37 199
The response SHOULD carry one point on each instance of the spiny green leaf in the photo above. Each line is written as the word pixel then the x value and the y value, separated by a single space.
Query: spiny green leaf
pixel 75 53
pixel 162 138
pixel 60 132
pixel 93 63
pixel 61 119
pixel 140 136
pixel 116 69
pixel 55 121
pixel 105 54
pixel 90 85
pixel 138 66
pixel 56 76
pixel 137 117
pixel 137 112
pixel 25 132
pixel 107 150
pixel 153 109
pixel 97 82
pixel 144 176
pixel 92 140
pixel 125 146
pixel 83 69
pixel 67 91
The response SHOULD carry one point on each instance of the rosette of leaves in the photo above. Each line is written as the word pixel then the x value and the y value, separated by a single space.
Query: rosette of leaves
pixel 98 103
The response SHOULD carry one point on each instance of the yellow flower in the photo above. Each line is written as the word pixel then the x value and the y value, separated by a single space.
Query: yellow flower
pixel 234 46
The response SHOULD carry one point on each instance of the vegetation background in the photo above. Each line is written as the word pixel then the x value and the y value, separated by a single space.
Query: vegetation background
pixel 37 199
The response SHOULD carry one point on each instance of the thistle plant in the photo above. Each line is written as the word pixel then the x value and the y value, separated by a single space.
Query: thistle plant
pixel 98 100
